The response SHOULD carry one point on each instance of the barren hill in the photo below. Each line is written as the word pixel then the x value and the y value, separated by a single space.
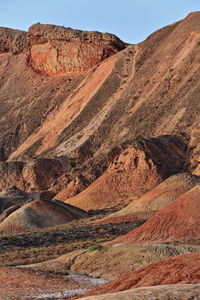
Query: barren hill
pixel 156 199
pixel 81 104
pixel 133 92
pixel 137 169
pixel 40 214
pixel 180 269
pixel 177 221
pixel 164 292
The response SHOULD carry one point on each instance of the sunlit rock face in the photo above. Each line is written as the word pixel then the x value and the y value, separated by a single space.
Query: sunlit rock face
pixel 60 50
pixel 12 40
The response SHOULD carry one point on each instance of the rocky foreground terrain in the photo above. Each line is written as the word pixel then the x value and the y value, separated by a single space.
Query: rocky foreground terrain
pixel 100 164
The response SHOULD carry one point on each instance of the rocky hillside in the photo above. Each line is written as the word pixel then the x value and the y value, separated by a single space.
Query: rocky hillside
pixel 100 138
pixel 115 96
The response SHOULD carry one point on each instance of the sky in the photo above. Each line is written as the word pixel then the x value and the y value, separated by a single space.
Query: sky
pixel 130 20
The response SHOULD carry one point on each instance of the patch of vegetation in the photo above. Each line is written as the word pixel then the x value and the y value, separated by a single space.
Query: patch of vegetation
pixel 95 247
pixel 71 161
pixel 139 63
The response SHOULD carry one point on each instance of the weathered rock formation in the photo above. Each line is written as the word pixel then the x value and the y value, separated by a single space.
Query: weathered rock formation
pixel 33 175
pixel 60 50
pixel 57 115
pixel 135 169
pixel 12 41
pixel 92 121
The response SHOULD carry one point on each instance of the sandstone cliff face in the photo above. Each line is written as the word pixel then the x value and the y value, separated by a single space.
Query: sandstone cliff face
pixel 60 50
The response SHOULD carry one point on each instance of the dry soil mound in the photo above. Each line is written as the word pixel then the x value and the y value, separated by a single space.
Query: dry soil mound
pixel 40 214
pixel 165 292
pixel 174 270
pixel 178 221
pixel 155 200
pixel 112 262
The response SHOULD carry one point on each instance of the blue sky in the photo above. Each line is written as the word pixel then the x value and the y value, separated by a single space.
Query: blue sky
pixel 131 20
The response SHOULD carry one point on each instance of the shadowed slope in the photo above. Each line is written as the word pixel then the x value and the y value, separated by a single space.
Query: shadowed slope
pixel 12 196
pixel 139 168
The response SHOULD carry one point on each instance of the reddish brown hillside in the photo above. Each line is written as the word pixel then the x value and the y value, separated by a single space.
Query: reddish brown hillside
pixel 165 292
pixel 137 169
pixel 145 90
pixel 178 221
pixel 12 41
pixel 180 269
pixel 33 175
pixel 155 200
pixel 83 103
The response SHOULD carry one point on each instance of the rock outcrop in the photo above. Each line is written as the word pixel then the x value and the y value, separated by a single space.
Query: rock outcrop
pixel 33 175
pixel 60 50
pixel 12 41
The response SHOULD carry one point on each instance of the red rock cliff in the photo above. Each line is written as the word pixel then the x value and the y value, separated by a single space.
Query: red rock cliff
pixel 57 50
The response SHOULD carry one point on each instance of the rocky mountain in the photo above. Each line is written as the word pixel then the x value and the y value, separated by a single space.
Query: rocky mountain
pixel 97 134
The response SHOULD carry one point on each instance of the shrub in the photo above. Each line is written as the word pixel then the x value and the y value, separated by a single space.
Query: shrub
pixel 95 247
